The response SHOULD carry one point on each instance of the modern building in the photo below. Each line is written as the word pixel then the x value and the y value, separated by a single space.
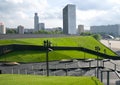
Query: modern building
pixel 69 19
pixel 113 30
pixel 2 28
pixel 41 26
pixel 36 22
pixel 20 29
pixel 80 29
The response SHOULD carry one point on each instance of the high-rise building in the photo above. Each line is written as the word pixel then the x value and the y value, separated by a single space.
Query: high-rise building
pixel 2 28
pixel 69 19
pixel 41 26
pixel 20 29
pixel 80 29
pixel 36 22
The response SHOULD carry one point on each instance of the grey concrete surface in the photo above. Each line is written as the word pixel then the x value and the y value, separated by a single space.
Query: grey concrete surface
pixel 74 68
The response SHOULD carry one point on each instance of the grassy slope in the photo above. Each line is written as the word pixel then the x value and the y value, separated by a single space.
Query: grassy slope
pixel 36 56
pixel 12 41
pixel 7 79
pixel 81 41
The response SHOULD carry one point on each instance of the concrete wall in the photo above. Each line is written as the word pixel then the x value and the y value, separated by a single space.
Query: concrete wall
pixel 16 36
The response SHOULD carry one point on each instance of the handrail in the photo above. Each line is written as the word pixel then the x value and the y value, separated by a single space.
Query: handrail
pixel 115 65
pixel 115 70
pixel 117 74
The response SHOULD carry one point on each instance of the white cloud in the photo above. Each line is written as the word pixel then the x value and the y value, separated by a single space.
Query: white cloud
pixel 115 2
pixel 100 15
pixel 37 5
pixel 50 23
pixel 109 17
pixel 92 4
pixel 15 1
pixel 21 15
pixel 15 12
pixel 89 12
pixel 86 17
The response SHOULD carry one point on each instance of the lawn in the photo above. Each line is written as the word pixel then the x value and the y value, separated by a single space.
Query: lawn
pixel 77 41
pixel 37 56
pixel 10 79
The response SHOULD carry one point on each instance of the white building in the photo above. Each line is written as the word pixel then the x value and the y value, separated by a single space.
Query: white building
pixel 20 29
pixel 106 29
pixel 80 29
pixel 69 19
pixel 2 28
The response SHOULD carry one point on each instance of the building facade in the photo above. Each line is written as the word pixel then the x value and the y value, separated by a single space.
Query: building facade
pixel 2 28
pixel 69 19
pixel 20 29
pixel 80 29
pixel 41 26
pixel 106 29
pixel 36 22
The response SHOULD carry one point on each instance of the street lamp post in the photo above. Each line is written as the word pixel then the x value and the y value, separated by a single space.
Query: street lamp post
pixel 97 48
pixel 47 44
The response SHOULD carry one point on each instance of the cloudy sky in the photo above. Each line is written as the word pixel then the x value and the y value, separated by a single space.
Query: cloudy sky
pixel 88 12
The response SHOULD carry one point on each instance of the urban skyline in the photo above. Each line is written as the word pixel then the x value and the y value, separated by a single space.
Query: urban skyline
pixel 89 12
pixel 38 25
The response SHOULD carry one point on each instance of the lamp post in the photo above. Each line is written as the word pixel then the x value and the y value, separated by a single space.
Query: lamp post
pixel 108 76
pixel 47 44
pixel 109 44
pixel 97 48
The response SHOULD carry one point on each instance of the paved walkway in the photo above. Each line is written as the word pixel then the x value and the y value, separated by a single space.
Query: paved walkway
pixel 113 45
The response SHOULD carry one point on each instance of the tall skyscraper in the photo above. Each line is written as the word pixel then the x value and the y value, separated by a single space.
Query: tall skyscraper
pixel 69 19
pixel 36 22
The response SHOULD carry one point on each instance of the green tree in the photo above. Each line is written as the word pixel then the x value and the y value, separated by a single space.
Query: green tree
pixel 11 31
pixel 86 34
pixel 41 32
pixel 97 36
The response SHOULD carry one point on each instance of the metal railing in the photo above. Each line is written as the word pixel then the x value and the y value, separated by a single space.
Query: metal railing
pixel 115 68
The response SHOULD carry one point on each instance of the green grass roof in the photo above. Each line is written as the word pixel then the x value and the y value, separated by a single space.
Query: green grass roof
pixel 78 41
pixel 7 79
pixel 36 56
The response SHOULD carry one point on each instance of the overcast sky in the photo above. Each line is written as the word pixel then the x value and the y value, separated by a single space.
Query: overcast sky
pixel 88 12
